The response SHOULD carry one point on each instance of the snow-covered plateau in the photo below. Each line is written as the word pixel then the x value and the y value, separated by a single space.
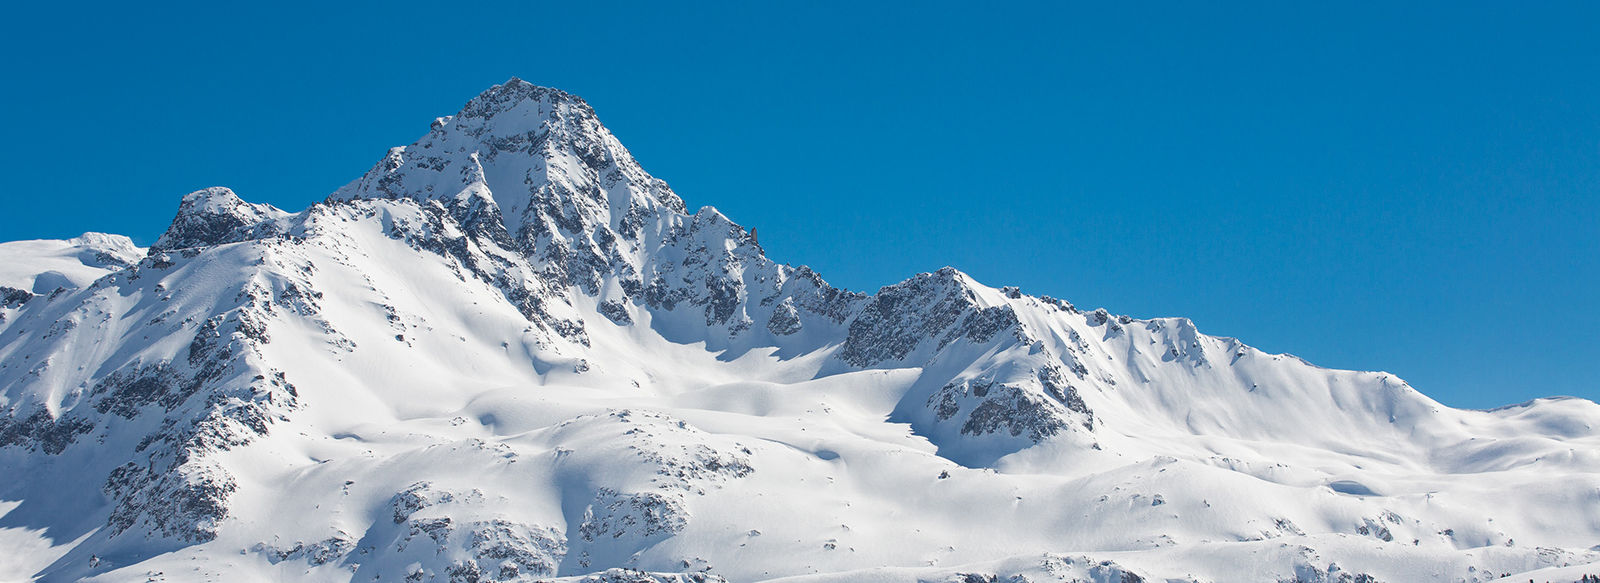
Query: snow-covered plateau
pixel 507 353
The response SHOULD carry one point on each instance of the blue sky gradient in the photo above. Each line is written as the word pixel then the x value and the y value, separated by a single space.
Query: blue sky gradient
pixel 1406 188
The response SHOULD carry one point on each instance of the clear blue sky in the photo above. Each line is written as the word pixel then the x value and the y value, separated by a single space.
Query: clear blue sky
pixel 1413 189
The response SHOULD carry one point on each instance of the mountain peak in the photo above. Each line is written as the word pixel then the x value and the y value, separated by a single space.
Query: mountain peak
pixel 525 107
pixel 513 137
pixel 515 89
pixel 537 162
pixel 212 216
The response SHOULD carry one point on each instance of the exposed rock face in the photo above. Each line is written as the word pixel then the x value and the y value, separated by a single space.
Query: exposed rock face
pixel 428 525
pixel 215 216
pixel 645 515
pixel 930 309
pixel 11 297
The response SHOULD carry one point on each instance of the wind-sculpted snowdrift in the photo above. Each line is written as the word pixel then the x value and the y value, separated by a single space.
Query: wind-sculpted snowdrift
pixel 507 353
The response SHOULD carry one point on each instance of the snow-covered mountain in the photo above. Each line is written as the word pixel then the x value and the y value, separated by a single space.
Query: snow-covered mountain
pixel 508 353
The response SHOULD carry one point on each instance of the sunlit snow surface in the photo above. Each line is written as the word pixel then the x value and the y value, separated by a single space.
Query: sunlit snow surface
pixel 507 353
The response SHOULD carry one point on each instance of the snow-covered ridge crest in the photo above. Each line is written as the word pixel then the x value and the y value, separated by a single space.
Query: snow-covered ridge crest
pixel 42 266
pixel 508 353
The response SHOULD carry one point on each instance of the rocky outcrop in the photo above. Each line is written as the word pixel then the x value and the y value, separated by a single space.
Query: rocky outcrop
pixel 430 531
pixel 928 311
pixel 215 216
pixel 12 297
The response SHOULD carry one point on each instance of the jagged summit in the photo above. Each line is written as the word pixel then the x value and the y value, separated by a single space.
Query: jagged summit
pixel 216 215
pixel 533 170
pixel 514 92
pixel 537 157
pixel 508 353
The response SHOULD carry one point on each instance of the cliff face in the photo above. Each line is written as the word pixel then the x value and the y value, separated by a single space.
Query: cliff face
pixel 507 352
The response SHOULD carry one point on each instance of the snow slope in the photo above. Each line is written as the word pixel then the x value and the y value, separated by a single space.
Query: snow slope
pixel 508 353
pixel 39 267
